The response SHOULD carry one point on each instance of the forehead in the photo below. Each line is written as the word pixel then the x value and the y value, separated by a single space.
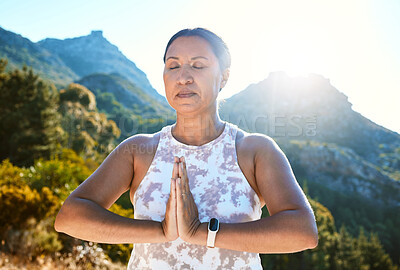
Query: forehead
pixel 190 47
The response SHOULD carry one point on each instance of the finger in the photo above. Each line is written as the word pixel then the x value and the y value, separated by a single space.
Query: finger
pixel 179 196
pixel 182 177
pixel 179 167
pixel 175 170
pixel 173 195
pixel 169 202
pixel 185 174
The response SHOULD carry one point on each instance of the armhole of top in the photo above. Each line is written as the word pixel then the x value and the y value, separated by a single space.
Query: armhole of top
pixel 237 162
pixel 150 166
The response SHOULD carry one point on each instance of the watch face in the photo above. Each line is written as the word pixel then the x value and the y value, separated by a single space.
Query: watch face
pixel 213 225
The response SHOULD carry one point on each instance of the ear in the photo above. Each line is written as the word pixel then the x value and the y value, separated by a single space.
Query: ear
pixel 225 77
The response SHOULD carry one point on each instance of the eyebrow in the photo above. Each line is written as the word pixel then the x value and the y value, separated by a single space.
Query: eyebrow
pixel 193 58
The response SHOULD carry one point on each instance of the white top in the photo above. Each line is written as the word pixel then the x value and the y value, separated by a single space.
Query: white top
pixel 219 189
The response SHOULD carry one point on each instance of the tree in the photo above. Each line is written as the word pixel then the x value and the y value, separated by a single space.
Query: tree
pixel 373 256
pixel 347 255
pixel 89 133
pixel 29 121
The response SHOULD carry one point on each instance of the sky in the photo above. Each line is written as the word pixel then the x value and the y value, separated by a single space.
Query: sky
pixel 355 44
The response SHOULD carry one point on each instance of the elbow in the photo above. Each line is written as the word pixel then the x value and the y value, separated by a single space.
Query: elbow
pixel 58 224
pixel 313 236
pixel 313 242
pixel 310 233
pixel 308 241
pixel 61 222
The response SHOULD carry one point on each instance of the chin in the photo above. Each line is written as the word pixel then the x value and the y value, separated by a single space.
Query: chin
pixel 187 109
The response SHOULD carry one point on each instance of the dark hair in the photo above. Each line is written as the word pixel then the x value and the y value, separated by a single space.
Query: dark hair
pixel 218 46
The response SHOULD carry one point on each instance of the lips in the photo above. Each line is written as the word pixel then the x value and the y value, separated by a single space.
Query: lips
pixel 185 94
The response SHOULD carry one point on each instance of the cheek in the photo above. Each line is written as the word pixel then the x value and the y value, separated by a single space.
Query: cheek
pixel 168 82
pixel 216 84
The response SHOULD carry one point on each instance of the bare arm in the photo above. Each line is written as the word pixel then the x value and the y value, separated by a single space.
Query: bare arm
pixel 84 214
pixel 291 226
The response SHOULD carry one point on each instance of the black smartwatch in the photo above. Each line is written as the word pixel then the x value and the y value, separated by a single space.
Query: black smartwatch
pixel 213 227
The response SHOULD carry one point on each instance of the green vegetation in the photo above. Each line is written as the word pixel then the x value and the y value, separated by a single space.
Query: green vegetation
pixel 131 121
pixel 130 107
pixel 335 250
pixel 86 128
pixel 29 121
pixel 354 212
pixel 29 207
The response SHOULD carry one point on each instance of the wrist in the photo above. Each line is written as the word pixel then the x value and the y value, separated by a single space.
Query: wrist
pixel 200 237
pixel 165 233
pixel 163 230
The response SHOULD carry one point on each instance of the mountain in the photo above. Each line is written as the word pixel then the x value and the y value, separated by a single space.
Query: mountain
pixel 307 108
pixel 94 54
pixel 89 60
pixel 19 51
pixel 126 93
pixel 324 138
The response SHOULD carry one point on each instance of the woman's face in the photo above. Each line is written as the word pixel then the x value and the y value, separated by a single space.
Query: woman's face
pixel 192 75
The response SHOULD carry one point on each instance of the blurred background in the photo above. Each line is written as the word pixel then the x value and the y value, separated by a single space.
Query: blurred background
pixel 319 77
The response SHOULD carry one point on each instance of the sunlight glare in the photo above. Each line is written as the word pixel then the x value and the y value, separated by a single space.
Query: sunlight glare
pixel 297 52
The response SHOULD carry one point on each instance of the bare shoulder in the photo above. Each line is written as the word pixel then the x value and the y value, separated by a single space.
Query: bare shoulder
pixel 248 149
pixel 141 144
pixel 256 143
pixel 273 174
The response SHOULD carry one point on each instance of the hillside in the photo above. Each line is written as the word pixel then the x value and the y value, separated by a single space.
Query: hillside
pixel 96 63
pixel 94 54
pixel 300 108
pixel 126 93
pixel 19 51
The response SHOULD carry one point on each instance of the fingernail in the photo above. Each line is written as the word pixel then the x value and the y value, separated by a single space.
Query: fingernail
pixel 179 181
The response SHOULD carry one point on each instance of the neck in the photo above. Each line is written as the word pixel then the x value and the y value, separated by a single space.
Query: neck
pixel 198 129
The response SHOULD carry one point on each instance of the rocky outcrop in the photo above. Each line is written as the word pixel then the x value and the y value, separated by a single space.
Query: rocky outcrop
pixel 341 169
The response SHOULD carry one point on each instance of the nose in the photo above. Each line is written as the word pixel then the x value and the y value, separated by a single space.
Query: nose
pixel 184 76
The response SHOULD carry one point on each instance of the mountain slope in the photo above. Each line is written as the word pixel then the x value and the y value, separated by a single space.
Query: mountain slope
pixel 94 54
pixel 301 114
pixel 126 93
pixel 19 51
pixel 308 109
pixel 341 169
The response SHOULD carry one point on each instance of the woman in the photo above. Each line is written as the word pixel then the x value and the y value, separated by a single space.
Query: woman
pixel 197 186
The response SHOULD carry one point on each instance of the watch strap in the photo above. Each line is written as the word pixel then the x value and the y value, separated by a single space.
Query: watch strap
pixel 213 228
pixel 211 239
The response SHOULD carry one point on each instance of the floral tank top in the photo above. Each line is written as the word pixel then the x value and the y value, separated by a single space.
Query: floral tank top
pixel 220 190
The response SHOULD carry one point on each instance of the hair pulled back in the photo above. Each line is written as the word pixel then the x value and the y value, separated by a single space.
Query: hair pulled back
pixel 218 46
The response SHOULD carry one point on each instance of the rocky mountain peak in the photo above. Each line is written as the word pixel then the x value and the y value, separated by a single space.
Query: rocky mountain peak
pixel 97 34
pixel 93 54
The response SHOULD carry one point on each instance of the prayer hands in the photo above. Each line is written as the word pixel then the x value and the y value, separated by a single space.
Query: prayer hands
pixel 181 217
pixel 169 224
